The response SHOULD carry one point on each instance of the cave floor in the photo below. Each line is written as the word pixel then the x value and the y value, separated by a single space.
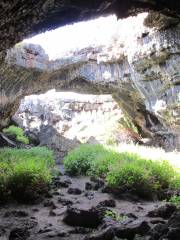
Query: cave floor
pixel 44 220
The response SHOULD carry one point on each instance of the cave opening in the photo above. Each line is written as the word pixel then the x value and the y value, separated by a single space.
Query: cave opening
pixel 100 57
pixel 89 115
pixel 69 39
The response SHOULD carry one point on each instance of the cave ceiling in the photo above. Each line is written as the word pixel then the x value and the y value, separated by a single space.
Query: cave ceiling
pixel 20 19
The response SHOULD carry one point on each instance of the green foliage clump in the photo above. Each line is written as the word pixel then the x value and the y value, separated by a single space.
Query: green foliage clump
pixel 101 165
pixel 129 177
pixel 122 170
pixel 79 160
pixel 175 200
pixel 17 132
pixel 25 173
pixel 176 181
pixel 114 216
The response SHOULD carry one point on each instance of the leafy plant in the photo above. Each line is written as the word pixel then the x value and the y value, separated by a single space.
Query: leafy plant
pixel 25 173
pixel 79 160
pixel 114 216
pixel 122 170
pixel 130 177
pixel 17 132
pixel 175 199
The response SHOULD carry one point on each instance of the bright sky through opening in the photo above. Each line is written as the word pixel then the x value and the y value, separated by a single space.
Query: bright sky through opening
pixel 62 40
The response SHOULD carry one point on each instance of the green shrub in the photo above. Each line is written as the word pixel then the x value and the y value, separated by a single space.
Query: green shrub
pixel 175 183
pixel 122 170
pixel 79 160
pixel 25 173
pixel 18 133
pixel 162 173
pixel 102 162
pixel 114 216
pixel 175 200
pixel 130 177
pixel 143 176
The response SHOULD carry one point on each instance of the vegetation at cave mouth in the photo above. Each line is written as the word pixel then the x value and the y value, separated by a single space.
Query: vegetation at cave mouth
pixel 25 174
pixel 123 170
pixel 17 132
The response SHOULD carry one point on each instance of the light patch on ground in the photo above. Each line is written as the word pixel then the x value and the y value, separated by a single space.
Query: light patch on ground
pixel 152 153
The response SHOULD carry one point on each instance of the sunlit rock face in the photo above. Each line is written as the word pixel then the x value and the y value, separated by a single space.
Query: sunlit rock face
pixel 63 120
pixel 139 67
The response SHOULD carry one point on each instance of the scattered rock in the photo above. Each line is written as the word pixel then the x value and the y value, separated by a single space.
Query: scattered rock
pixel 16 213
pixel 120 231
pixel 29 223
pixel 88 186
pixel 88 220
pixel 19 234
pixel 35 210
pixel 52 213
pixel 157 220
pixel 56 193
pixel 74 191
pixel 106 234
pixel 65 202
pixel 137 227
pixel 62 234
pixel 98 182
pixel 107 203
pixel 49 203
pixel 2 230
pixel 174 221
pixel 89 195
pixel 173 234
pixel 83 217
pixel 106 189
pixel 45 230
pixel 159 230
pixel 131 215
pixel 164 211
pixel 48 195
pixel 80 230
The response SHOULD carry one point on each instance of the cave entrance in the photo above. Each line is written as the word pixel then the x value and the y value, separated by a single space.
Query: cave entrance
pixel 63 120
pixel 103 56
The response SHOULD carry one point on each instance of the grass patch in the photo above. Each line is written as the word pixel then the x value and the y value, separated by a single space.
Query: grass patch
pixel 79 160
pixel 122 170
pixel 25 173
pixel 175 200
pixel 17 132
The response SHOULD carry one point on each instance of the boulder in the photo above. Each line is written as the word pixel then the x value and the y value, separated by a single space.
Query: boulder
pixel 82 216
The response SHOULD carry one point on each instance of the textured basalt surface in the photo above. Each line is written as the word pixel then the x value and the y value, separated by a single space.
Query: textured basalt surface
pixel 22 18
